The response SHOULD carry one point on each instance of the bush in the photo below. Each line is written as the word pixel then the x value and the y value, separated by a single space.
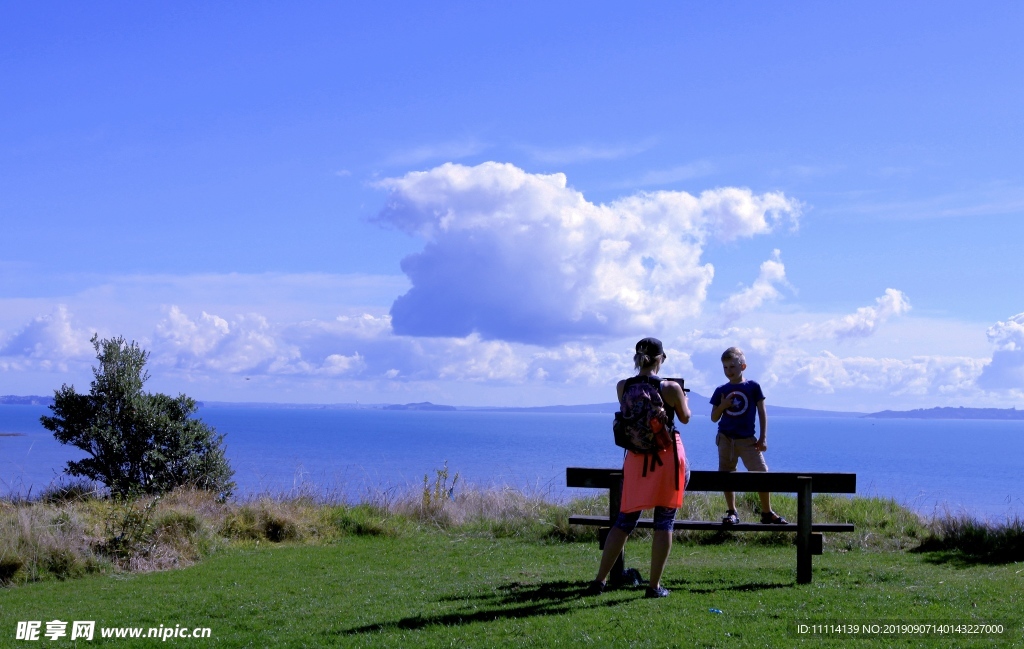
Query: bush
pixel 137 442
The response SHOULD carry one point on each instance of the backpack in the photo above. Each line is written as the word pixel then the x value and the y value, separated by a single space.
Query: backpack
pixel 643 425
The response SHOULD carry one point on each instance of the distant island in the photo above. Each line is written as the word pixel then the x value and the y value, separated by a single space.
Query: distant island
pixel 699 406
pixel 950 413
pixel 423 405
pixel 31 400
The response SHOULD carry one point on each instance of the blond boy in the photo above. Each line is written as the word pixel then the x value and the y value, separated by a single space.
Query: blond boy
pixel 734 405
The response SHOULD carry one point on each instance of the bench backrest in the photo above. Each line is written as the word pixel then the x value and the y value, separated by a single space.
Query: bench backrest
pixel 840 483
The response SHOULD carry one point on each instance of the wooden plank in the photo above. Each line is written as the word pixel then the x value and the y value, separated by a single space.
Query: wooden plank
pixel 592 478
pixel 845 483
pixel 718 527
pixel 722 481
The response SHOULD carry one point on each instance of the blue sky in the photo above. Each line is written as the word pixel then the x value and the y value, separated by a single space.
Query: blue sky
pixel 490 202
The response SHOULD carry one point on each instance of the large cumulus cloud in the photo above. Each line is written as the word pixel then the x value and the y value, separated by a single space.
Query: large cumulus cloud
pixel 523 257
pixel 1006 371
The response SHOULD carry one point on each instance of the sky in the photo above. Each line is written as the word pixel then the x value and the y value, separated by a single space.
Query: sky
pixel 490 203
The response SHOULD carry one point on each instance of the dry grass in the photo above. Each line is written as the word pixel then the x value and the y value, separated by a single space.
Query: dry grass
pixel 71 530
pixel 976 540
pixel 61 538
pixel 43 540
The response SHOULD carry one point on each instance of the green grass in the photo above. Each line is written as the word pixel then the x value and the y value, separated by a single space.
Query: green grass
pixel 485 568
pixel 443 588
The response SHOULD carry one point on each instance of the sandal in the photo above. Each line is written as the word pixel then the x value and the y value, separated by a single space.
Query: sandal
pixel 771 518
pixel 731 518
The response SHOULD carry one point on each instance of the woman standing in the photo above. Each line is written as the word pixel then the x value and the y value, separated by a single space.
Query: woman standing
pixel 643 485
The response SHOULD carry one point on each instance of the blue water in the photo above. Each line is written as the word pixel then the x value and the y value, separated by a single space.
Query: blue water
pixel 931 466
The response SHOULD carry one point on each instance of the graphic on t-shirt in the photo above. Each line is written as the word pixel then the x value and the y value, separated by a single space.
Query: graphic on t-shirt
pixel 739 403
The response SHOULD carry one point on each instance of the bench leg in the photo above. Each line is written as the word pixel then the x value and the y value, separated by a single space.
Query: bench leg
pixel 803 534
pixel 614 501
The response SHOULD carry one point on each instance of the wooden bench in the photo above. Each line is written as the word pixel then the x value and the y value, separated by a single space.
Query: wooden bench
pixel 808 534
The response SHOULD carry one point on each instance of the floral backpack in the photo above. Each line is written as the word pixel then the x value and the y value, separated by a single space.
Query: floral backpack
pixel 643 425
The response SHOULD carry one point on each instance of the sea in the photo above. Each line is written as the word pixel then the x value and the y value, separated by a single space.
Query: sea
pixel 932 466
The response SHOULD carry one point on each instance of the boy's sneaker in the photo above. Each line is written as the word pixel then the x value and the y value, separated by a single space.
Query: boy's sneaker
pixel 659 591
pixel 771 518
pixel 628 578
pixel 731 518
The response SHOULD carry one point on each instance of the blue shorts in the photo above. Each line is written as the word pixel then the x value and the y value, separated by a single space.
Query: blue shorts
pixel 663 519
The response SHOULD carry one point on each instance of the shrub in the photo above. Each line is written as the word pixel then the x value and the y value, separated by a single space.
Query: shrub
pixel 137 442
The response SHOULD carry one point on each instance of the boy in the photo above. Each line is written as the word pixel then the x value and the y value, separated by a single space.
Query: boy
pixel 734 405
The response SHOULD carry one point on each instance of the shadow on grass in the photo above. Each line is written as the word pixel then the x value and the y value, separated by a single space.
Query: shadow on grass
pixel 960 559
pixel 511 601
pixel 684 585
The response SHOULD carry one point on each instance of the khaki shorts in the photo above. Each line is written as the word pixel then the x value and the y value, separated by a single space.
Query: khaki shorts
pixel 730 450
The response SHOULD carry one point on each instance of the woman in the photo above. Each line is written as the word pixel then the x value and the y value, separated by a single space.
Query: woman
pixel 644 487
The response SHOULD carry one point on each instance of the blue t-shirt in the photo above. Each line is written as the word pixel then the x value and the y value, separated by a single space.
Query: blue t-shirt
pixel 738 422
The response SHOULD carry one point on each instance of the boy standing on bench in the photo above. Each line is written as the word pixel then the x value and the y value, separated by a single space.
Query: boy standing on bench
pixel 733 408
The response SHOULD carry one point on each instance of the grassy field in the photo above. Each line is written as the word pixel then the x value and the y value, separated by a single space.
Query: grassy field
pixel 485 568
pixel 442 589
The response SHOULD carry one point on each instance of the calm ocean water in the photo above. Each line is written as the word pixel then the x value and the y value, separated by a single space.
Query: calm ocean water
pixel 928 465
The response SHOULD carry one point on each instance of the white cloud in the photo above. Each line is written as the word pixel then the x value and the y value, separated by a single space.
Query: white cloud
pixel 824 379
pixel 245 344
pixel 924 376
pixel 362 353
pixel 365 348
pixel 772 273
pixel 1006 371
pixel 734 212
pixel 48 342
pixel 864 322
pixel 1008 336
pixel 523 257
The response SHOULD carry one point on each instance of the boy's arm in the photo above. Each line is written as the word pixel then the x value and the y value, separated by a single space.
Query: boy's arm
pixel 719 408
pixel 762 419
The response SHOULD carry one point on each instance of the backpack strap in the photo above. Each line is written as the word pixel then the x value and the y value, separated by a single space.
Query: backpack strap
pixel 675 452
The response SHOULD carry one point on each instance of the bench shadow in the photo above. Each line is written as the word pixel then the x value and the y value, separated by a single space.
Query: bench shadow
pixel 510 601
pixel 754 586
